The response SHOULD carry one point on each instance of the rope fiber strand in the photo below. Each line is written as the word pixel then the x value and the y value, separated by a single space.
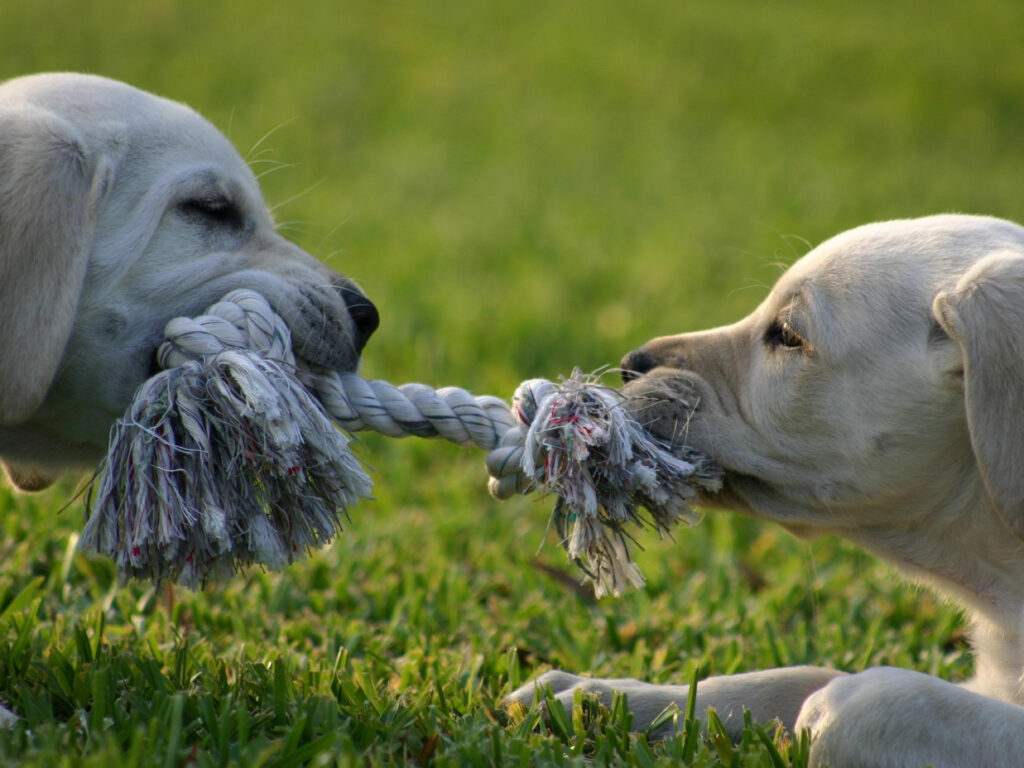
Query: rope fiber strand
pixel 230 456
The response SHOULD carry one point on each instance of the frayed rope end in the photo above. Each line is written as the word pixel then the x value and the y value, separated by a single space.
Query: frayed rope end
pixel 226 459
pixel 583 445
pixel 220 464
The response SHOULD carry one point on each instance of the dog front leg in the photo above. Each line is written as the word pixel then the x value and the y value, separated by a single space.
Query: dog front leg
pixel 887 717
pixel 774 694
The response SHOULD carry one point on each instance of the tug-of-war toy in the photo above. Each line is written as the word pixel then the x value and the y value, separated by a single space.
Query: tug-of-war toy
pixel 235 454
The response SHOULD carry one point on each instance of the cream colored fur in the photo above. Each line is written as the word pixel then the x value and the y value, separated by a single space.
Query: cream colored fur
pixel 118 211
pixel 877 394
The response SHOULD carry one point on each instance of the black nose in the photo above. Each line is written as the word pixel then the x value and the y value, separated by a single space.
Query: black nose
pixel 635 364
pixel 363 314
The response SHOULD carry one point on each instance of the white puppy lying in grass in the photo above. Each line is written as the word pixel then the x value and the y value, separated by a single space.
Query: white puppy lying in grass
pixel 877 394
pixel 118 211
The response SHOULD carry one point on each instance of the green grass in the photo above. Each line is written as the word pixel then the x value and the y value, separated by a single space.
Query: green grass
pixel 521 188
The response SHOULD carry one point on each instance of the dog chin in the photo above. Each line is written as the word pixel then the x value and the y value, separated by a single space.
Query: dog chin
pixel 790 507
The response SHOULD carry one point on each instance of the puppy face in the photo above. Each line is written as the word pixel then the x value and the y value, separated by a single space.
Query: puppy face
pixel 162 218
pixel 841 398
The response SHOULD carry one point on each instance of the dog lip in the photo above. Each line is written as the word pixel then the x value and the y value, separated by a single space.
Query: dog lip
pixel 725 498
pixel 663 403
pixel 669 383
pixel 762 498
pixel 738 492
pixel 322 331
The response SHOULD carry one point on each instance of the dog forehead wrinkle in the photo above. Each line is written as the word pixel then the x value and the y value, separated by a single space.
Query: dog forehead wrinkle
pixel 127 223
pixel 881 302
pixel 192 273
pixel 182 134
pixel 114 237
pixel 134 221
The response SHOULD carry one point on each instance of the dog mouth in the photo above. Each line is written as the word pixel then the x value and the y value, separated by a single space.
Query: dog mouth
pixel 330 320
pixel 324 331
pixel 665 404
pixel 669 404
pixel 737 492
pixel 329 323
pixel 680 408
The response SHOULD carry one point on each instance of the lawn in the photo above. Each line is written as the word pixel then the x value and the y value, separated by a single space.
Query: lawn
pixel 521 188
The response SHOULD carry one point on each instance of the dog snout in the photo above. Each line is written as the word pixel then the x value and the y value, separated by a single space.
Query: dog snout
pixel 362 311
pixel 635 364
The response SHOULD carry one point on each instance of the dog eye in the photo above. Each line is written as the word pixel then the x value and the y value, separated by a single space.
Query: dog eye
pixel 217 210
pixel 781 334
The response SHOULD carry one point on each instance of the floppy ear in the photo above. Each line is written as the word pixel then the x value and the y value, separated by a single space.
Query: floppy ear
pixel 984 314
pixel 49 186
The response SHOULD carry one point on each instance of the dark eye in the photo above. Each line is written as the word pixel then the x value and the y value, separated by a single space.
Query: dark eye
pixel 217 210
pixel 781 334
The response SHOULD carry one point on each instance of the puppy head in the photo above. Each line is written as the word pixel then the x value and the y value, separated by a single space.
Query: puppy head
pixel 118 211
pixel 841 398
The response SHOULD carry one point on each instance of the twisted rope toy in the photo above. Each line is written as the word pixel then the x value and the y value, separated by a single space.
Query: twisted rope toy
pixel 229 456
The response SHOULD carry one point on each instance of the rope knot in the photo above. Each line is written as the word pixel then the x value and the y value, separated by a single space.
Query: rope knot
pixel 229 455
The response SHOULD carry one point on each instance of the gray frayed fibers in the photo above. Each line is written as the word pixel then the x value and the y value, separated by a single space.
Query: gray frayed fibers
pixel 581 444
pixel 232 456
pixel 219 464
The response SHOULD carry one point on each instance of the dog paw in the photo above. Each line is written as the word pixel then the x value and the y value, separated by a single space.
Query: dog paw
pixel 896 717
pixel 562 684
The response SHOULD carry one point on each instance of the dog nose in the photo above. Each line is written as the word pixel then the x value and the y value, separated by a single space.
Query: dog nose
pixel 363 313
pixel 635 364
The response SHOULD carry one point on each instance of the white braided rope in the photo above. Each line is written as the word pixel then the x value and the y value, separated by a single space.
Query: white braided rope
pixel 225 458
pixel 244 320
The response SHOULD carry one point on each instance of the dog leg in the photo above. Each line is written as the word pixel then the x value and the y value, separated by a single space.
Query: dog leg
pixel 774 694
pixel 896 717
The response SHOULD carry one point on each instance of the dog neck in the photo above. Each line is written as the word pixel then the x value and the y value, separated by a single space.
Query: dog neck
pixel 962 549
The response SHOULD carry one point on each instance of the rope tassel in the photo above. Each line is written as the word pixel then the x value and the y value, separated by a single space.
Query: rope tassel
pixel 582 444
pixel 230 456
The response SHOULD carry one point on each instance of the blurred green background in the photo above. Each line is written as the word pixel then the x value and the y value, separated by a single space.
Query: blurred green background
pixel 521 188
pixel 524 187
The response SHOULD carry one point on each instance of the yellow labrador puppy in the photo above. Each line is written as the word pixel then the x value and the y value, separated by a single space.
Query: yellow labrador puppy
pixel 118 211
pixel 877 394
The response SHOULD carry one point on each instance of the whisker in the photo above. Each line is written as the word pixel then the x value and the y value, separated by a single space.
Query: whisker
pixel 338 226
pixel 302 227
pixel 268 134
pixel 293 198
pixel 789 239
pixel 276 168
